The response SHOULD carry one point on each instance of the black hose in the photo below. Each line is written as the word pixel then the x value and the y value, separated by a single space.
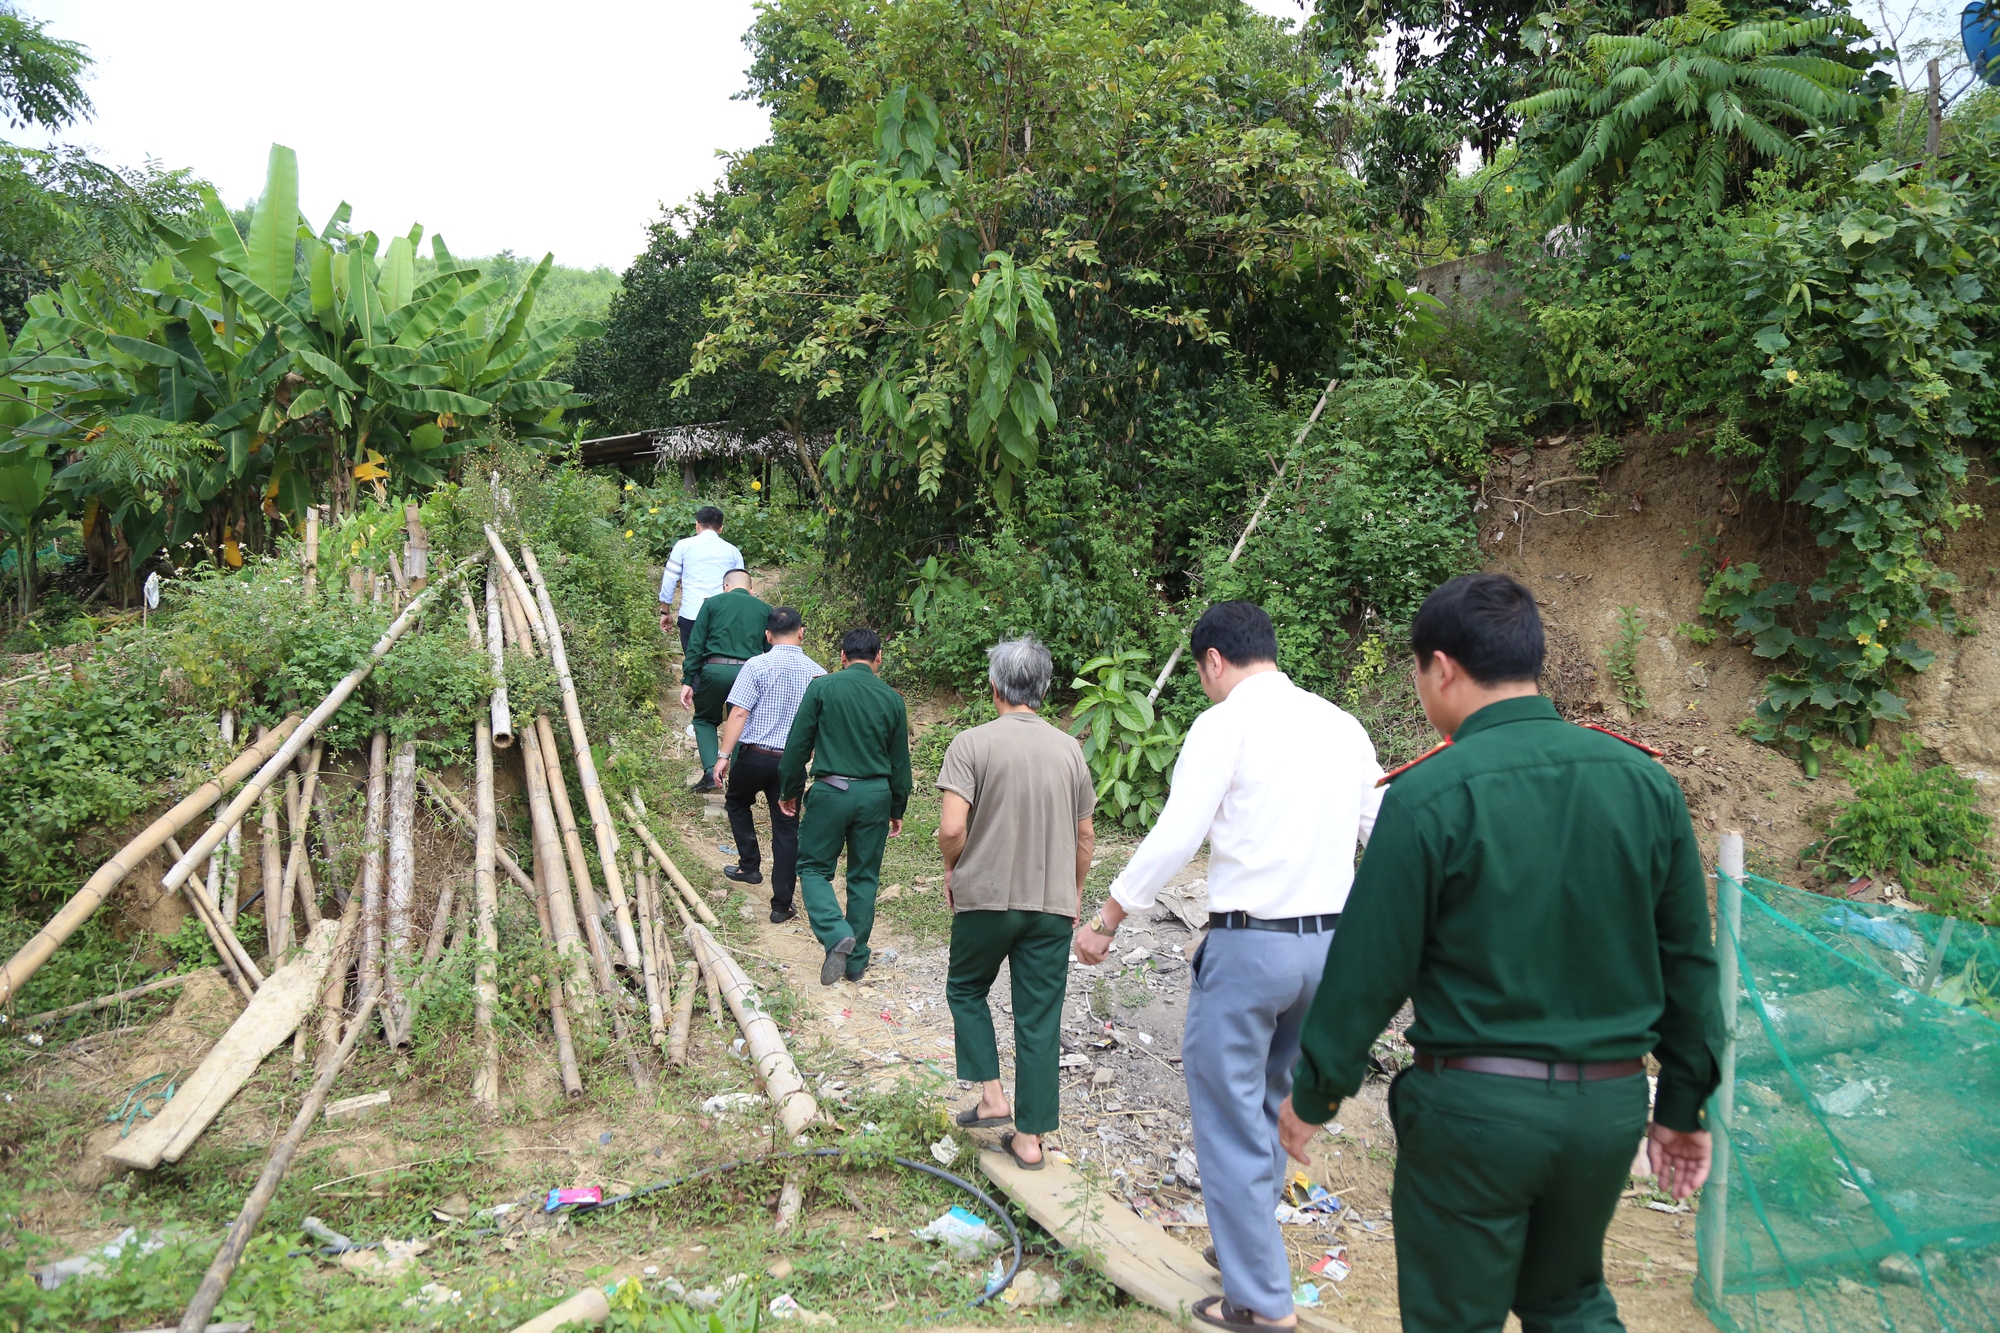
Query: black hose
pixel 1013 1234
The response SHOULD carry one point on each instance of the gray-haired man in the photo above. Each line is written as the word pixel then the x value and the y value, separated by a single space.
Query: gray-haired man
pixel 1017 836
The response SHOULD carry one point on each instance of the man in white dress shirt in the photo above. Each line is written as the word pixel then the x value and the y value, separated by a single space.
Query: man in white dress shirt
pixel 698 565
pixel 1281 783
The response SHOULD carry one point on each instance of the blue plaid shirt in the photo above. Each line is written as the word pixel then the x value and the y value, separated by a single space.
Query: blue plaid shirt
pixel 770 686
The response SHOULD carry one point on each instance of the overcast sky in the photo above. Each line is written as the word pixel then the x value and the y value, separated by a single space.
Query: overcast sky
pixel 503 125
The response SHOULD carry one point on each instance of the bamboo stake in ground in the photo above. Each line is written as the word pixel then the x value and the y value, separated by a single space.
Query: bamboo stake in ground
pixel 579 867
pixel 399 900
pixel 782 1083
pixel 558 1011
pixel 486 979
pixel 333 998
pixel 372 839
pixel 312 550
pixel 271 869
pixel 677 1038
pixel 91 896
pixel 298 873
pixel 601 827
pixel 209 1294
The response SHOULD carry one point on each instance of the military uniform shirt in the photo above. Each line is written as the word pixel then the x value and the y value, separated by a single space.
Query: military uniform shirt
pixel 730 625
pixel 854 726
pixel 1536 889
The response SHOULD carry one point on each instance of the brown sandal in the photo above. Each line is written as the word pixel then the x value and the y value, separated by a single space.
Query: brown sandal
pixel 1007 1146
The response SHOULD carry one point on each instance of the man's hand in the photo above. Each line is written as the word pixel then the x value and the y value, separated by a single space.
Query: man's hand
pixel 666 619
pixel 722 768
pixel 791 808
pixel 949 906
pixel 1295 1134
pixel 1680 1158
pixel 687 698
pixel 895 828
pixel 1090 946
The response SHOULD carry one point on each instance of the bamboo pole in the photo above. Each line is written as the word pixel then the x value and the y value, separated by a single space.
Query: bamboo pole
pixel 275 767
pixel 271 869
pixel 468 827
pixel 37 951
pixel 399 900
pixel 1173 658
pixel 115 998
pixel 579 866
pixel 677 1038
pixel 782 1082
pixel 225 733
pixel 518 586
pixel 329 838
pixel 418 548
pixel 209 1294
pixel 369 981
pixel 298 873
pixel 554 886
pixel 656 1017
pixel 231 862
pixel 486 974
pixel 333 996
pixel 601 825
pixel 558 1012
pixel 220 937
pixel 312 551
pixel 503 719
pixel 1713 1222
pixel 638 823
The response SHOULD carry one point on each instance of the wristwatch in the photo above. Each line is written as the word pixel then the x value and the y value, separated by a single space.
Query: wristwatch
pixel 1097 924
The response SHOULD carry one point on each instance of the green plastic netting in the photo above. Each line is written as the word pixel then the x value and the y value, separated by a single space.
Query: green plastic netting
pixel 1857 1182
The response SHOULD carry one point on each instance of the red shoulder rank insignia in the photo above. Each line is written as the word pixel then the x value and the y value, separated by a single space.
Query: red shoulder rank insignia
pixel 1383 781
pixel 1637 745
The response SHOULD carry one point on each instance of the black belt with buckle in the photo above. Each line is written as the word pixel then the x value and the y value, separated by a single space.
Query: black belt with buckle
pixel 1508 1066
pixel 778 750
pixel 724 661
pixel 1288 925
pixel 834 780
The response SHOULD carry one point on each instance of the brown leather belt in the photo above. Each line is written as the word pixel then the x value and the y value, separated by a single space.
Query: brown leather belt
pixel 1563 1071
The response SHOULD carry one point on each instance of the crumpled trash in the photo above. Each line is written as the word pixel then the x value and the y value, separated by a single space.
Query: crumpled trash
pixel 386 1263
pixel 1333 1265
pixel 1847 1100
pixel 945 1150
pixel 1306 1296
pixel 704 1298
pixel 433 1293
pixel 561 1198
pixel 91 1263
pixel 964 1234
pixel 1186 1169
pixel 1877 930
pixel 732 1104
pixel 320 1231
pixel 1029 1288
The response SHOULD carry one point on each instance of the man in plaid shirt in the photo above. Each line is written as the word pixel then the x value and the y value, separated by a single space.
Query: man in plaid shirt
pixel 762 703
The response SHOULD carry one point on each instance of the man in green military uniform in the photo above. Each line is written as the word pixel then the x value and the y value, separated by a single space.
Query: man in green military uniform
pixel 856 731
pixel 1534 886
pixel 728 631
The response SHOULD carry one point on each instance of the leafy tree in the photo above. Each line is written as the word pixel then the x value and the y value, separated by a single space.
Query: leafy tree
pixel 41 77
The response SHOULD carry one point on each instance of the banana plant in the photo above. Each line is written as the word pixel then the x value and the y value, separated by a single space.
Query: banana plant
pixel 313 360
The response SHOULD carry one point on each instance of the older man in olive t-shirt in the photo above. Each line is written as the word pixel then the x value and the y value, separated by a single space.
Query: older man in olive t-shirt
pixel 1017 838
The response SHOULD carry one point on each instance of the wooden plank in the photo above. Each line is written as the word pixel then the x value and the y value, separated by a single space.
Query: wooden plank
pixel 282 1002
pixel 1100 1228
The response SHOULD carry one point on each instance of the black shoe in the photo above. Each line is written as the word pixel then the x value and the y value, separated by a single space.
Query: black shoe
pixel 1208 1253
pixel 835 965
pixel 707 783
pixel 780 915
pixel 742 876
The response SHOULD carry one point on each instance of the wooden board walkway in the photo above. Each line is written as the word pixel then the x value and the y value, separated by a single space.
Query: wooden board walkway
pixel 1139 1257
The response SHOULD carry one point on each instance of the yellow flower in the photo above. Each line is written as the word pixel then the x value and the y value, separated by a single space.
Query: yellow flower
pixel 1510 189
pixel 654 510
pixel 1863 639
pixel 1791 377
pixel 628 532
pixel 631 486
pixel 756 485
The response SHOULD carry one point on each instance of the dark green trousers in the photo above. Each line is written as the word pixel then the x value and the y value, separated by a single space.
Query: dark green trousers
pixel 1035 945
pixel 1504 1187
pixel 857 819
pixel 711 703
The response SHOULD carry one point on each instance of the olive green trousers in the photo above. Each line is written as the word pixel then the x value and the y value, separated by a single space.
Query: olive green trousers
pixel 1504 1188
pixel 1035 946
pixel 711 703
pixel 857 819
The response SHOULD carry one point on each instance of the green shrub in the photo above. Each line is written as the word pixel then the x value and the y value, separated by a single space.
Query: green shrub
pixel 1129 747
pixel 1922 826
pixel 1621 659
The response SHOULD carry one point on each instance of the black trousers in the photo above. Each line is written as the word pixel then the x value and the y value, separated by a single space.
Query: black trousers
pixel 753 772
pixel 686 628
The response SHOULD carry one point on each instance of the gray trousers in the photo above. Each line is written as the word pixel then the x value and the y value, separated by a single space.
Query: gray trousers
pixel 1251 992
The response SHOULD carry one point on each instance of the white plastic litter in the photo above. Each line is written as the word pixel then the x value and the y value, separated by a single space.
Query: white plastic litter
pixel 732 1104
pixel 1306 1297
pixel 433 1293
pixel 945 1150
pixel 962 1233
pixel 1847 1100
pixel 91 1263
pixel 1186 1169
pixel 1029 1288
